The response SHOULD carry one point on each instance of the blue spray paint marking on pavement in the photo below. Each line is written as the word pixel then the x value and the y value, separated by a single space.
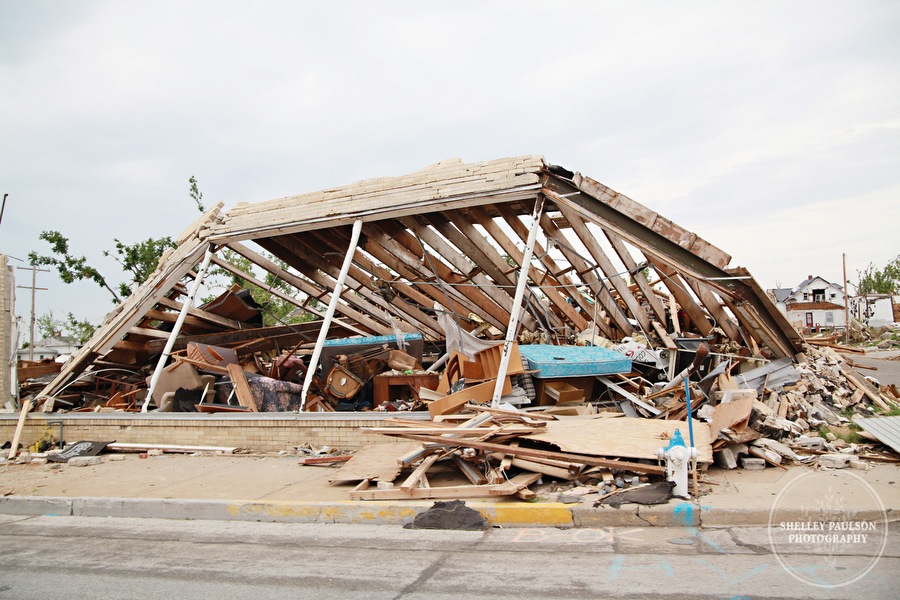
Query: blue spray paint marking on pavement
pixel 686 509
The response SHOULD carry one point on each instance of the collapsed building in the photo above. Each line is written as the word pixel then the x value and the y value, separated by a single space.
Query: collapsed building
pixel 438 290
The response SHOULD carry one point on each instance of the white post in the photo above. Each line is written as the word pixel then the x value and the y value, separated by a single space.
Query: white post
pixel 329 314
pixel 517 301
pixel 176 329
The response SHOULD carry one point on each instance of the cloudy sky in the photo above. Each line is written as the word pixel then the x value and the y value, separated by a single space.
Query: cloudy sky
pixel 772 129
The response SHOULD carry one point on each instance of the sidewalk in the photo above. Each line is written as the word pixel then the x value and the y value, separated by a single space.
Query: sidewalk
pixel 278 488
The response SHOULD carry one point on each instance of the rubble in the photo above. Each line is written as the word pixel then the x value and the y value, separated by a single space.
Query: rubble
pixel 547 325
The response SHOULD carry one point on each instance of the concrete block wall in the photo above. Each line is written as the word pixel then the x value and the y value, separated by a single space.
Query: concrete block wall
pixel 7 343
pixel 265 432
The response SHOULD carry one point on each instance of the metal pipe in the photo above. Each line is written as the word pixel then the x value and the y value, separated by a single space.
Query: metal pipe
pixel 329 314
pixel 517 301
pixel 176 329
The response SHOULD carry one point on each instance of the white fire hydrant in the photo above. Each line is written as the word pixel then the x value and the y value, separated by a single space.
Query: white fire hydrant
pixel 678 459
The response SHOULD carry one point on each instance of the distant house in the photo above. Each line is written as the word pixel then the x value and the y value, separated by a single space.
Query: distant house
pixel 812 304
pixel 875 310
pixel 49 348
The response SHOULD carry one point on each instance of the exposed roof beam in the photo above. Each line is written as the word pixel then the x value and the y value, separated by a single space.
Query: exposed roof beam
pixel 645 286
pixel 673 282
pixel 587 273
pixel 383 245
pixel 296 253
pixel 612 276
pixel 538 277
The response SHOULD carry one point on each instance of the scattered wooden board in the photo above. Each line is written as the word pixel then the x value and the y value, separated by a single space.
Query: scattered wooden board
pixel 624 437
pixel 241 387
pixel 379 462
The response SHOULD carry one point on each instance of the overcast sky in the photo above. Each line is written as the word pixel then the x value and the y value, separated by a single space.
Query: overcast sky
pixel 771 129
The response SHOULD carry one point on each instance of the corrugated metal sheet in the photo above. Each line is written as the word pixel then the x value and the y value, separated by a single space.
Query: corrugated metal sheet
pixel 886 429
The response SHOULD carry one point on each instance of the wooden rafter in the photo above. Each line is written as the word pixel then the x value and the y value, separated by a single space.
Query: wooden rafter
pixel 645 286
pixel 385 246
pixel 679 289
pixel 324 273
pixel 552 291
pixel 609 270
pixel 299 283
pixel 365 273
pixel 588 275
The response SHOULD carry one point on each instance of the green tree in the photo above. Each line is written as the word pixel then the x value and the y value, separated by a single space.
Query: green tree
pixel 196 195
pixel 81 330
pixel 140 259
pixel 275 310
pixel 48 325
pixel 880 281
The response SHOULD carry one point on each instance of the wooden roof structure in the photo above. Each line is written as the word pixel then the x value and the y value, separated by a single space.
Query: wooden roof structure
pixel 451 238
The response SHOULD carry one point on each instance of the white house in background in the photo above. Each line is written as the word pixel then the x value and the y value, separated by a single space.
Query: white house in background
pixel 812 304
pixel 52 347
pixel 875 310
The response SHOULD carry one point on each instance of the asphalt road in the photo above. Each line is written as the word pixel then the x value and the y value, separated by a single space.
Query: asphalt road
pixel 94 558
pixel 886 371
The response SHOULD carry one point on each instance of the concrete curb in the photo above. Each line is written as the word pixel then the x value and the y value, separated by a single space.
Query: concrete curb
pixel 676 513
pixel 498 514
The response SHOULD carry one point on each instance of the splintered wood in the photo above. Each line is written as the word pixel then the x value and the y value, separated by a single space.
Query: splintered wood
pixel 484 448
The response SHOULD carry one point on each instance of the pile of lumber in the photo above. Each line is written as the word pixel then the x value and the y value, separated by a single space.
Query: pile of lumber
pixel 488 452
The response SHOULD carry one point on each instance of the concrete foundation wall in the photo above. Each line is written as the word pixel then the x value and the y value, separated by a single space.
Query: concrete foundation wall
pixel 266 432
pixel 7 343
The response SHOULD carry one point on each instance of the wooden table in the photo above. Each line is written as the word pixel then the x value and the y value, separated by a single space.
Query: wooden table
pixel 386 385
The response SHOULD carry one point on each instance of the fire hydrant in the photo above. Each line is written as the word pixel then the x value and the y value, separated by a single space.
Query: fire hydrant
pixel 678 459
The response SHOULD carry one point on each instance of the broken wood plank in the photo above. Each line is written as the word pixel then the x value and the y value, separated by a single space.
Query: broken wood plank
pixel 378 462
pixel 23 414
pixel 324 460
pixel 168 448
pixel 629 396
pixel 241 387
pixel 417 476
pixel 507 488
pixel 534 452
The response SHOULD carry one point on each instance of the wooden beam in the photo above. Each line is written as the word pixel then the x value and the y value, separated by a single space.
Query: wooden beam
pixel 380 244
pixel 323 273
pixel 537 276
pixel 679 289
pixel 587 238
pixel 241 387
pixel 365 325
pixel 365 274
pixel 470 275
pixel 170 317
pixel 645 286
pixel 583 459
pixel 714 306
pixel 482 301
pixel 201 314
pixel 588 276
pixel 570 287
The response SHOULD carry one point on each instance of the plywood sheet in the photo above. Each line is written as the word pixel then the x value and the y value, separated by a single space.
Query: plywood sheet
pixel 732 415
pixel 624 437
pixel 380 462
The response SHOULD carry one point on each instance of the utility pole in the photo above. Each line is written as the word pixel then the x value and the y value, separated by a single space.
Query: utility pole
pixel 34 288
pixel 846 304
